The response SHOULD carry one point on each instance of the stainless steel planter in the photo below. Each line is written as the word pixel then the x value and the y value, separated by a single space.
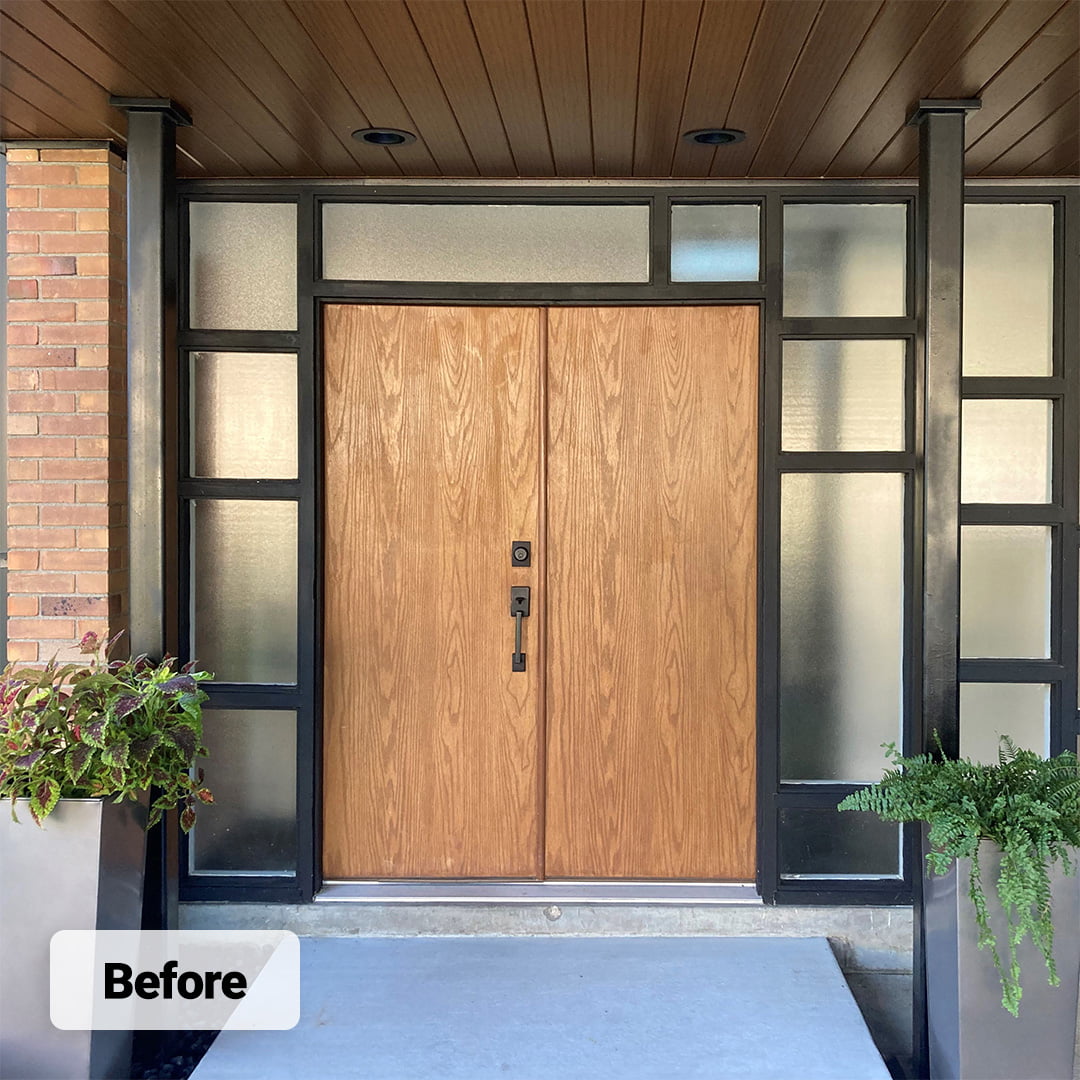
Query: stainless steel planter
pixel 82 871
pixel 971 1036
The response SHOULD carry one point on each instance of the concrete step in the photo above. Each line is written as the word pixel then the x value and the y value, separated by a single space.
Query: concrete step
pixel 562 1008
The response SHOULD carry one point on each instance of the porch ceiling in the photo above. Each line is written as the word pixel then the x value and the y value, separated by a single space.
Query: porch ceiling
pixel 540 88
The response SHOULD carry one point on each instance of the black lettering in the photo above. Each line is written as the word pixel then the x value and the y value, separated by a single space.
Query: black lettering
pixel 211 978
pixel 117 981
pixel 146 985
pixel 234 985
pixel 189 985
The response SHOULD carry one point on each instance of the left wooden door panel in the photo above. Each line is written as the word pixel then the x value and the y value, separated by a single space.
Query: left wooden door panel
pixel 431 745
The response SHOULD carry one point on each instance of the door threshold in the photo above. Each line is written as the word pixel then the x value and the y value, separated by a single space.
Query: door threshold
pixel 538 892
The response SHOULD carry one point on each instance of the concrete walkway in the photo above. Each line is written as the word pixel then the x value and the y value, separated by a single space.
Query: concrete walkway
pixel 561 1009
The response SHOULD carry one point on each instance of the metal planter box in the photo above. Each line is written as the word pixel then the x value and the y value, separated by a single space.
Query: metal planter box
pixel 82 871
pixel 971 1035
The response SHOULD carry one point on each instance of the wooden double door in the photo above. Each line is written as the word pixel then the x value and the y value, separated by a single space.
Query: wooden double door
pixel 621 443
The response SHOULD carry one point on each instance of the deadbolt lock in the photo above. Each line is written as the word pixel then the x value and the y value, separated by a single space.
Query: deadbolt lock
pixel 521 553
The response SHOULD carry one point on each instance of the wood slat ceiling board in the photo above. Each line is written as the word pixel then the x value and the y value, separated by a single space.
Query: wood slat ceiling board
pixel 542 88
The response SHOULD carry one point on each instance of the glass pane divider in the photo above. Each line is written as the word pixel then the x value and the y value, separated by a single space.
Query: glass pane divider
pixel 1012 514
pixel 845 461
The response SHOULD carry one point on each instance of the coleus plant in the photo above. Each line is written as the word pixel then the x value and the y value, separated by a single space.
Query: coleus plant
pixel 103 728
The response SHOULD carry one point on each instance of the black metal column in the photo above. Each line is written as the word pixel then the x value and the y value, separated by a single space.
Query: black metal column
pixel 152 421
pixel 939 316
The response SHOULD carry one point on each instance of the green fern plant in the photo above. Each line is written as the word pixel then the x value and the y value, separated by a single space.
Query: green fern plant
pixel 1028 805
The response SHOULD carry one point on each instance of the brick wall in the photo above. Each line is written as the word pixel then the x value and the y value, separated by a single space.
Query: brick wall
pixel 67 427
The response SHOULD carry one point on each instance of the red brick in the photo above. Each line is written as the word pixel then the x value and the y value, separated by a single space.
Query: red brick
pixel 41 358
pixel 94 584
pixel 22 289
pixel 20 153
pixel 23 492
pixel 37 311
pixel 92 402
pixel 75 379
pixel 22 335
pixel 40 265
pixel 86 514
pixel 80 154
pixel 23 470
pixel 72 197
pixel 22 424
pixel 72 424
pixel 92 310
pixel 24 651
pixel 75 243
pixel 84 469
pixel 25 175
pixel 74 288
pixel 22 605
pixel 92 265
pixel 38 447
pixel 74 333
pixel 74 605
pixel 27 582
pixel 93 221
pixel 23 243
pixel 74 560
pixel 22 379
pixel 91 175
pixel 23 515
pixel 49 629
pixel 42 538
pixel 40 221
pixel 91 538
pixel 90 493
pixel 21 198
pixel 91 356
pixel 41 403
pixel 91 447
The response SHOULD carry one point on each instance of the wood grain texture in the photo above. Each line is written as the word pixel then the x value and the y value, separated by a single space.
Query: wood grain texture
pixel 725 31
pixel 779 40
pixel 432 469
pixel 503 34
pixel 652 510
pixel 613 35
pixel 534 88
pixel 954 28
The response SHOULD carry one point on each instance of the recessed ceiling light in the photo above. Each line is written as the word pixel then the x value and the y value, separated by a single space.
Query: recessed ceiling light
pixel 380 136
pixel 715 136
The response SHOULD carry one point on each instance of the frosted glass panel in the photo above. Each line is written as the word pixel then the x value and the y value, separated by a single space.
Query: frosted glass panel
pixel 844 260
pixel 1005 591
pixel 831 843
pixel 243 415
pixel 244 566
pixel 989 710
pixel 411 242
pixel 1006 451
pixel 714 243
pixel 843 395
pixel 841 623
pixel 242 266
pixel 1008 288
pixel 251 825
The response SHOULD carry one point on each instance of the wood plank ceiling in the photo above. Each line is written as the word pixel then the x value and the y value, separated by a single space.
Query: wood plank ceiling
pixel 542 88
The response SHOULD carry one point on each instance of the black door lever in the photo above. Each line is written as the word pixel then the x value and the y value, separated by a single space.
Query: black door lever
pixel 519 610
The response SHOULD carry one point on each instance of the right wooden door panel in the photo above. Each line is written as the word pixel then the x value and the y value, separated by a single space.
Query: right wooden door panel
pixel 651 598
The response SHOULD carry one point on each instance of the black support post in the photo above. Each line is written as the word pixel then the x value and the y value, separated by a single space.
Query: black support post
pixel 939 319
pixel 152 422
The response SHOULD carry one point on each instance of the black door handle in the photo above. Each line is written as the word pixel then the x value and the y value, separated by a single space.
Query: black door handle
pixel 519 610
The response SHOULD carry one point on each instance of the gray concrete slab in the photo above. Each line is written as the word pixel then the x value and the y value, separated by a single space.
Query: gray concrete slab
pixel 514 1008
